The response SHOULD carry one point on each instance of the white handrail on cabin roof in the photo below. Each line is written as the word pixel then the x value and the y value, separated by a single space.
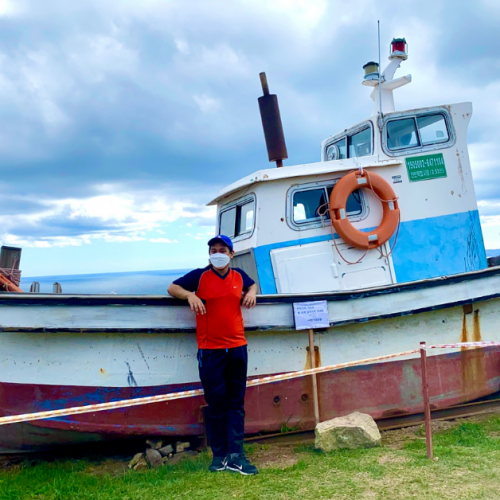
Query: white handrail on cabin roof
pixel 323 167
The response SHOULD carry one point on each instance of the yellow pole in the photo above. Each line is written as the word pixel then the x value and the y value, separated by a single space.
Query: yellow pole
pixel 314 381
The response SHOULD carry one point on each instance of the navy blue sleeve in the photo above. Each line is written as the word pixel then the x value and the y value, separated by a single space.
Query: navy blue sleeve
pixel 191 280
pixel 247 281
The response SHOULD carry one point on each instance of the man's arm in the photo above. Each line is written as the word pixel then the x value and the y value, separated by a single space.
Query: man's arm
pixel 250 298
pixel 250 289
pixel 194 301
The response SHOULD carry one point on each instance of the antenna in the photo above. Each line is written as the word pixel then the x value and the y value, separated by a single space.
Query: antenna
pixel 380 118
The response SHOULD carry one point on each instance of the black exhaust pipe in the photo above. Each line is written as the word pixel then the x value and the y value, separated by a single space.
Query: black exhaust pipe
pixel 271 122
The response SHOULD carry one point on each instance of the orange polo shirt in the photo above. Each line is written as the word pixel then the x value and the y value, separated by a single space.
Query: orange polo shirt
pixel 222 326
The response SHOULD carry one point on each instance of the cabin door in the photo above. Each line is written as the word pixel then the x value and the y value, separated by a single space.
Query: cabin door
pixel 318 267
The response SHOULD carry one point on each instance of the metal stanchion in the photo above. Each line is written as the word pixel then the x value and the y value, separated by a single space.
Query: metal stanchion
pixel 312 357
pixel 427 406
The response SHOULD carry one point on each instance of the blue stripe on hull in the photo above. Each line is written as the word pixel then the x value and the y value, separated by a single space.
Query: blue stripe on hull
pixel 426 248
pixel 439 246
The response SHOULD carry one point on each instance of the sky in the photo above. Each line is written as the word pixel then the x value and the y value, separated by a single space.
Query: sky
pixel 120 120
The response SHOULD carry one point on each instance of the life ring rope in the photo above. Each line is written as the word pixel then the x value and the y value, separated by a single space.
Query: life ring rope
pixel 322 214
pixel 391 217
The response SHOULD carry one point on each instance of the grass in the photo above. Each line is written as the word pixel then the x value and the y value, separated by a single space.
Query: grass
pixel 468 468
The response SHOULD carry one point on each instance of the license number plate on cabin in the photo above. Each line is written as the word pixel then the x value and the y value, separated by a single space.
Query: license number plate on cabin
pixel 424 168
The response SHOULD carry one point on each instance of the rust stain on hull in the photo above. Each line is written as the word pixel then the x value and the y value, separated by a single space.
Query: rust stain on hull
pixel 317 358
pixel 473 371
pixel 461 174
pixel 476 327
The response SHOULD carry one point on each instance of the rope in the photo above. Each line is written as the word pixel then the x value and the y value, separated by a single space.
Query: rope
pixel 338 251
pixel 462 344
pixel 13 275
pixel 371 187
pixel 323 214
pixel 126 403
pixel 399 219
pixel 395 240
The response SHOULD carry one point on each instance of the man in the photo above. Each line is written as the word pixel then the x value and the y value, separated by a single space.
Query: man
pixel 215 296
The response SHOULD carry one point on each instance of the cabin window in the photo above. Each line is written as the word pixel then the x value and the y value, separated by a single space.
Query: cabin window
pixel 402 134
pixel 360 144
pixel 306 204
pixel 353 145
pixel 432 129
pixel 310 204
pixel 228 222
pixel 245 218
pixel 417 131
pixel 238 220
pixel 337 150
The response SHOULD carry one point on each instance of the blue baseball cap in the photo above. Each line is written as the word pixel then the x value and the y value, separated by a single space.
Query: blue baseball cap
pixel 225 240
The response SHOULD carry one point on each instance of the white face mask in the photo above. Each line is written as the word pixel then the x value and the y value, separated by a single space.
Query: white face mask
pixel 219 260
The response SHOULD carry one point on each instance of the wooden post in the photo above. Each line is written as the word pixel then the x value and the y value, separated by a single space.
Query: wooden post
pixel 427 406
pixel 10 257
pixel 312 357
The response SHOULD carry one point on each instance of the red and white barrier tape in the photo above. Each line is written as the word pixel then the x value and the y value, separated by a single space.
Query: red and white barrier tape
pixel 461 344
pixel 126 403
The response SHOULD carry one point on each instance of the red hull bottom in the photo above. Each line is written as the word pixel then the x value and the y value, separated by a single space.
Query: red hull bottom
pixel 381 390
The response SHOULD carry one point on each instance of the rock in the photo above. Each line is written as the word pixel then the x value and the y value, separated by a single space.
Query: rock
pixel 356 430
pixel 154 458
pixel 141 464
pixel 180 446
pixel 135 460
pixel 165 460
pixel 182 456
pixel 166 450
pixel 154 444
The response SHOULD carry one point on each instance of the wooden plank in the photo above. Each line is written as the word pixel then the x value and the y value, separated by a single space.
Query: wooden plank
pixel 10 257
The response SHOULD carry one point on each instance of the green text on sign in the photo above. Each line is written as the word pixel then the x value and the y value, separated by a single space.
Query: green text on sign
pixel 423 168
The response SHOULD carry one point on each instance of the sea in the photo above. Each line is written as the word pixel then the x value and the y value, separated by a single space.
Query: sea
pixel 129 283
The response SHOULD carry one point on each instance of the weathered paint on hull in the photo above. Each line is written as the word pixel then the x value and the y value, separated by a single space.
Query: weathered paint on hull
pixel 382 390
pixel 59 351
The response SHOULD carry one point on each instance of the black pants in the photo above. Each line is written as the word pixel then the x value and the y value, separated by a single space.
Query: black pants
pixel 223 375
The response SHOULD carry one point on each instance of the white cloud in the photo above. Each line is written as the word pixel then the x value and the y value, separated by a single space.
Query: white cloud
pixel 182 47
pixel 165 93
pixel 161 240
pixel 9 8
pixel 113 218
pixel 206 104
pixel 96 57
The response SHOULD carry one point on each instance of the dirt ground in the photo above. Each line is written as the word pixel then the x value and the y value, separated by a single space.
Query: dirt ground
pixel 274 454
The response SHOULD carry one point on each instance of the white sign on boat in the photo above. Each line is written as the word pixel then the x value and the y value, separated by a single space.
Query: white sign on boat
pixel 309 315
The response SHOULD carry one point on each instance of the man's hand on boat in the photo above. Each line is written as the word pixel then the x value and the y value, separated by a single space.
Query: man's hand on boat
pixel 250 297
pixel 196 304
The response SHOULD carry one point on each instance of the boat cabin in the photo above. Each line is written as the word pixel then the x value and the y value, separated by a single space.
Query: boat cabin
pixel 280 224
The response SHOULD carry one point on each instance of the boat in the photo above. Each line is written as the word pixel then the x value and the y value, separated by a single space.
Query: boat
pixel 427 279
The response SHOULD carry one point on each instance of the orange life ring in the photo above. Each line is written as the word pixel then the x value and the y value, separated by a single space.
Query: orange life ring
pixel 338 213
